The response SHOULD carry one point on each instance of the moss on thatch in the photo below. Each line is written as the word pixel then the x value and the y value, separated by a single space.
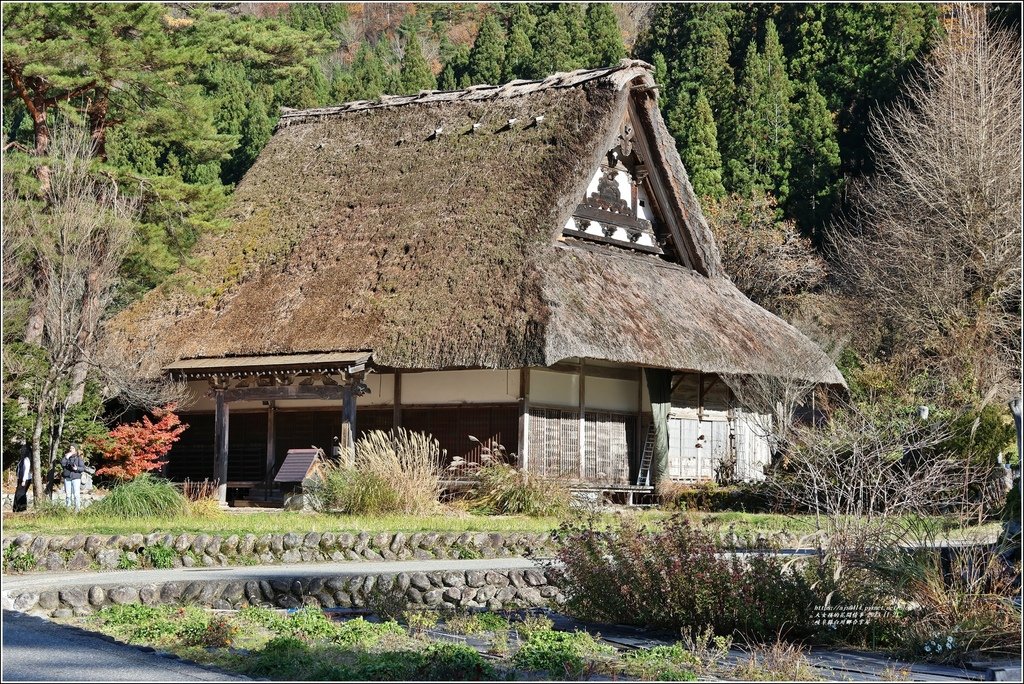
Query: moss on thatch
pixel 359 228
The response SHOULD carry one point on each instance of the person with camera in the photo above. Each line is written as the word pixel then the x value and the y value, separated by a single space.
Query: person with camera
pixel 73 465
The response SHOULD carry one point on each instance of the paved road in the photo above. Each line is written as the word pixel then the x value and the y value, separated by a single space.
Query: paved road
pixel 35 649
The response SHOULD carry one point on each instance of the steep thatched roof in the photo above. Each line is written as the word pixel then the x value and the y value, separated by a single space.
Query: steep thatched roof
pixel 363 227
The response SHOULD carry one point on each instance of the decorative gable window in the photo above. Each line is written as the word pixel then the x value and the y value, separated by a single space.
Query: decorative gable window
pixel 617 209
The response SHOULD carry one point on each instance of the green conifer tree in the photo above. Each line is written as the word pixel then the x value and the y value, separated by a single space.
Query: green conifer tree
pixel 764 127
pixel 552 47
pixel 488 54
pixel 415 73
pixel 519 48
pixel 699 150
pixel 605 37
pixel 447 80
pixel 814 176
pixel 574 18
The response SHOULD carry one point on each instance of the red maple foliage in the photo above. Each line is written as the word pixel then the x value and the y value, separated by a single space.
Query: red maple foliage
pixel 134 448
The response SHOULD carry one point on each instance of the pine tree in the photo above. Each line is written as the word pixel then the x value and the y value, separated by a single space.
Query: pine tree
pixel 488 53
pixel 519 49
pixel 605 36
pixel 415 73
pixel 699 150
pixel 816 159
pixel 552 47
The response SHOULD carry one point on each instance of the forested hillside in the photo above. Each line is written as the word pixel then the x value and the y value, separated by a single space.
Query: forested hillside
pixel 783 114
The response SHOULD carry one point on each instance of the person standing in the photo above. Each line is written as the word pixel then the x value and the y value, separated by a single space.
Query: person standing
pixel 73 466
pixel 24 479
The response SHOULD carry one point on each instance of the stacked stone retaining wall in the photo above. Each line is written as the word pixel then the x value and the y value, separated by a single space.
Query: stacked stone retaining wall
pixel 27 553
pixel 493 589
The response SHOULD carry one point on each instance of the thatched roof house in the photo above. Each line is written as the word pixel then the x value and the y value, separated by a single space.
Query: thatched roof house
pixel 490 228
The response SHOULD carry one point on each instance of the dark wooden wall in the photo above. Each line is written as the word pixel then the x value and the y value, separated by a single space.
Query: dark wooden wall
pixel 192 456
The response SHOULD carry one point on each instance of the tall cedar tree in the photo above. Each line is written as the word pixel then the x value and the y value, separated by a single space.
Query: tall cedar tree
pixel 552 50
pixel 699 150
pixel 415 73
pixel 488 54
pixel 519 50
pixel 764 127
pixel 605 37
pixel 574 19
pixel 814 176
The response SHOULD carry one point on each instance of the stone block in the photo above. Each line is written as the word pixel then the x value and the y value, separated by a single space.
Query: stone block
pixel 48 600
pixel 149 594
pixel 54 562
pixel 311 540
pixel 170 592
pixel 200 542
pixel 80 561
pixel 108 558
pixel 419 580
pixel 183 543
pixel 123 595
pixel 75 543
pixel 291 541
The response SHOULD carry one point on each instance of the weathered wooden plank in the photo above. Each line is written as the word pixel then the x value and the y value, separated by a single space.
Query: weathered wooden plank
pixel 272 393
pixel 221 446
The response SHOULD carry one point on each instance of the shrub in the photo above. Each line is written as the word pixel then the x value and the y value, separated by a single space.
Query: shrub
pixel 191 625
pixel 531 623
pixel 311 623
pixel 127 561
pixel 18 560
pixel 132 449
pixel 748 497
pixel 559 653
pixel 394 472
pixel 205 508
pixel 962 600
pixel 160 556
pixel 502 489
pixel 265 617
pixel 280 658
pixel 220 632
pixel 144 497
pixel 661 664
pixel 674 577
pixel 139 622
pixel 447 661
pixel 475 623
pixel 420 620
pixel 359 632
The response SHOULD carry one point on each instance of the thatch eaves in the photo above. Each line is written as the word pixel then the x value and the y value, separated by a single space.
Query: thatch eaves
pixel 427 229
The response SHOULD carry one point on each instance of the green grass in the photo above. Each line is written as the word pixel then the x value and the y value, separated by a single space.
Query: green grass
pixel 278 522
pixel 273 523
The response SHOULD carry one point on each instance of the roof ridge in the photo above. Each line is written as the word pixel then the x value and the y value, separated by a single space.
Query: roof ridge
pixel 514 88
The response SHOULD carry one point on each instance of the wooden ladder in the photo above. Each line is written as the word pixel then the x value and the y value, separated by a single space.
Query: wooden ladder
pixel 643 476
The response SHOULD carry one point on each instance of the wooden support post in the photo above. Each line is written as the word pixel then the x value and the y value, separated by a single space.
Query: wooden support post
pixel 639 433
pixel 221 446
pixel 271 451
pixel 396 420
pixel 583 418
pixel 524 417
pixel 348 425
